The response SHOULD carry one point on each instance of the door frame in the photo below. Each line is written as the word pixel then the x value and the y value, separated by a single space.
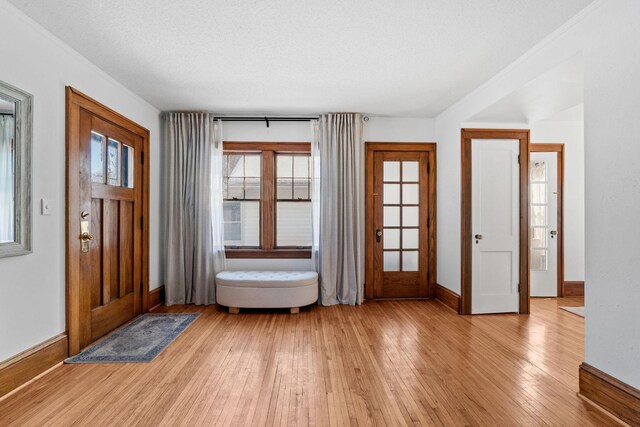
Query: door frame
pixel 559 149
pixel 371 148
pixel 75 102
pixel 466 242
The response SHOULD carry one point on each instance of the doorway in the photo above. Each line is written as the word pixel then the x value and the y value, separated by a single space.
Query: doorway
pixel 547 215
pixel 107 211
pixel 494 221
pixel 400 220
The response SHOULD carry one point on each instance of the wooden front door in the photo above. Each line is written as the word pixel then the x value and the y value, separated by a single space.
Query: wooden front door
pixel 401 203
pixel 106 210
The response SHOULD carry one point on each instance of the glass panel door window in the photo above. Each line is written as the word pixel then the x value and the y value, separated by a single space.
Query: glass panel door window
pixel 401 215
pixel 539 216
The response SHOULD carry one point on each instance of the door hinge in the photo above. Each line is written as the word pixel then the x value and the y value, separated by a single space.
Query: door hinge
pixel 141 223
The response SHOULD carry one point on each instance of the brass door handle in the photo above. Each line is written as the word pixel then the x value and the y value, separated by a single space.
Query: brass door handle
pixel 85 237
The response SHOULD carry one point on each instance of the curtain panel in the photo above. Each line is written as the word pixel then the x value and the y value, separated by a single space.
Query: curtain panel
pixel 193 165
pixel 338 152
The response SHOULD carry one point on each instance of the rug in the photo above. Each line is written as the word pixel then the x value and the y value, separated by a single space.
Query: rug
pixel 139 341
pixel 575 310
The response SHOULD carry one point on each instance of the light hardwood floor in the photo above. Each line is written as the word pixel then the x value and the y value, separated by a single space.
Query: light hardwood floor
pixel 392 362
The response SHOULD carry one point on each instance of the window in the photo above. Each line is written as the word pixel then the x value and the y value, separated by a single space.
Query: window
pixel 267 200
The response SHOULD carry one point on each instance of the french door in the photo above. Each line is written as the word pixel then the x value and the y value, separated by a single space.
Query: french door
pixel 401 199
pixel 106 212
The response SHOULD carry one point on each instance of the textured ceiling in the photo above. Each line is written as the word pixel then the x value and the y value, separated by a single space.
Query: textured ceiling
pixel 397 58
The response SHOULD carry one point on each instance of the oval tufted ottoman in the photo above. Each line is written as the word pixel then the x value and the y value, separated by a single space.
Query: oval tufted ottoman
pixel 266 289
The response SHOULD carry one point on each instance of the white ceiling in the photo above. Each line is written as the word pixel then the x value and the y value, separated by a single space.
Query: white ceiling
pixel 555 91
pixel 381 57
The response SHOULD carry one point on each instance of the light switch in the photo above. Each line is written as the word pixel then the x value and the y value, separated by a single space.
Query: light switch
pixel 45 206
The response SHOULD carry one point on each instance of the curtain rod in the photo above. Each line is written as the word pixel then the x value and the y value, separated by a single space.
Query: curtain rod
pixel 264 119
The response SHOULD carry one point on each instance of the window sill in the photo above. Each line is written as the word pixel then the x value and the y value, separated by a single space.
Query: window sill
pixel 268 253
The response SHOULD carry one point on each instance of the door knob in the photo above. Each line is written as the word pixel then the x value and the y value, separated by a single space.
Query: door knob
pixel 86 236
pixel 478 236
pixel 378 235
pixel 553 233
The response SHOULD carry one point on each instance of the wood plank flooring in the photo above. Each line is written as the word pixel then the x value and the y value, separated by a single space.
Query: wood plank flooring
pixel 383 363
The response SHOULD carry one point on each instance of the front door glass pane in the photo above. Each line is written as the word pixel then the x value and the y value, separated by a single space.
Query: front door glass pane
pixel 97 157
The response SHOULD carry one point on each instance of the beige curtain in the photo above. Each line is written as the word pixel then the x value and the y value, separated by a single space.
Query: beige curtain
pixel 193 253
pixel 340 241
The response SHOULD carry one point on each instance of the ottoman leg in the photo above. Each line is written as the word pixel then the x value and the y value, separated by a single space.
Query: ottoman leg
pixel 294 310
pixel 234 310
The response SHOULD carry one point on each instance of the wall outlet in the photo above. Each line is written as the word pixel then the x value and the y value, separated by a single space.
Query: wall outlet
pixel 45 207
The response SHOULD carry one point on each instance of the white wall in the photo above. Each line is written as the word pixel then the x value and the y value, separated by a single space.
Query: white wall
pixel 32 287
pixel 612 167
pixel 606 34
pixel 379 129
pixel 572 135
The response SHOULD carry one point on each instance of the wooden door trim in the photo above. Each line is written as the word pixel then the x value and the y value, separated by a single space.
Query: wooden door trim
pixel 371 148
pixel 75 102
pixel 559 149
pixel 466 229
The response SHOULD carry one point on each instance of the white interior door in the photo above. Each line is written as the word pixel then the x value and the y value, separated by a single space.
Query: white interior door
pixel 543 232
pixel 495 226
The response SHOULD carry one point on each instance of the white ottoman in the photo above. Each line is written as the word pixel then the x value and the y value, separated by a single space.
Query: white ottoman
pixel 266 289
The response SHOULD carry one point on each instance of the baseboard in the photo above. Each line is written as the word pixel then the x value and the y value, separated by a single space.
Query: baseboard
pixel 25 366
pixel 613 395
pixel 573 289
pixel 448 298
pixel 156 297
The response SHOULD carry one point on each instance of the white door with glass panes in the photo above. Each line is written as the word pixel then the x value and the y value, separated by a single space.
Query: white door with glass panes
pixel 544 224
pixel 495 226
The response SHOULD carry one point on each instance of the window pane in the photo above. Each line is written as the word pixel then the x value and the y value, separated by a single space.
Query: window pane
pixel 410 194
pixel 301 189
pixel 252 188
pixel 391 194
pixel 391 171
pixel 97 158
pixel 410 238
pixel 539 259
pixel 538 171
pixel 391 216
pixel 391 238
pixel 391 261
pixel 410 216
pixel 252 166
pixel 410 171
pixel 241 223
pixel 127 166
pixel 113 162
pixel 410 261
pixel 293 224
pixel 235 165
pixel 539 193
pixel 285 189
pixel 284 166
pixel 539 237
pixel 301 166
pixel 235 188
pixel 539 215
